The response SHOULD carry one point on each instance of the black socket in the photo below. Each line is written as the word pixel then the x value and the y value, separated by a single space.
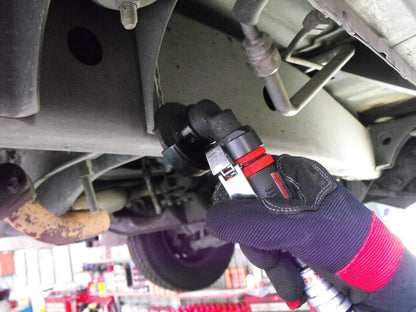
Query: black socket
pixel 240 142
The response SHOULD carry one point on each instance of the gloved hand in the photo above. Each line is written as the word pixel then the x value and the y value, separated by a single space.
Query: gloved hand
pixel 322 224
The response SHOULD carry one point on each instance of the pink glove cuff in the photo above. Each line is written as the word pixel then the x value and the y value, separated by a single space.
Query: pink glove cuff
pixel 377 260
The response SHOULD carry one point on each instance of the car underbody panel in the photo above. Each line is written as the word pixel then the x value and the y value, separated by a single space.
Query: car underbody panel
pixel 79 90
pixel 99 108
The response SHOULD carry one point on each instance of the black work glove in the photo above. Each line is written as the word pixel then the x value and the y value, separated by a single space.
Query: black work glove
pixel 282 271
pixel 322 224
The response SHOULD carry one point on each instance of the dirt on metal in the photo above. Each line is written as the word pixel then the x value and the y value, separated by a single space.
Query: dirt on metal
pixel 19 208
pixel 34 220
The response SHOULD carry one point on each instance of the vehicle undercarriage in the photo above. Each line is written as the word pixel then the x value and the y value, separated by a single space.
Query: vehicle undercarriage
pixel 78 95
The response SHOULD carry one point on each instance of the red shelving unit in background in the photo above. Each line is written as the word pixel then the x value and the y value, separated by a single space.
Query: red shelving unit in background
pixel 271 303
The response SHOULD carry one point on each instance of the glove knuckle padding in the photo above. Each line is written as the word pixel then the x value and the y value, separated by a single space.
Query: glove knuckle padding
pixel 308 182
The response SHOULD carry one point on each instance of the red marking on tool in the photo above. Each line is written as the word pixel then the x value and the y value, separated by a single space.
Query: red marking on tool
pixel 280 185
pixel 258 165
pixel 244 160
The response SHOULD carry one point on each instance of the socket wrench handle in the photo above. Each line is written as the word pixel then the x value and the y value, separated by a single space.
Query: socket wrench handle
pixel 246 150
pixel 240 158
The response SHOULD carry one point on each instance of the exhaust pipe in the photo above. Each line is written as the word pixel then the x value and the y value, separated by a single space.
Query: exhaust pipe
pixel 19 208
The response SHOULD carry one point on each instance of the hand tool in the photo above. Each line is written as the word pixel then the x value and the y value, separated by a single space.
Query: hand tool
pixel 202 136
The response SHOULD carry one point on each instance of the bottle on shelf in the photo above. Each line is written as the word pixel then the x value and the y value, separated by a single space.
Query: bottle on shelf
pixel 227 277
pixel 234 274
pixel 242 271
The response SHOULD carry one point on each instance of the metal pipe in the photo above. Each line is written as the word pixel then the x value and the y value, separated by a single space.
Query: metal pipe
pixel 324 58
pixel 315 22
pixel 85 173
pixel 290 107
pixel 35 221
pixel 263 62
pixel 278 94
pixel 19 208
pixel 90 194
pixel 319 80
pixel 250 32
pixel 149 185
pixel 264 59
pixel 126 223
pixel 111 200
pixel 153 197
pixel 288 54
pixel 248 11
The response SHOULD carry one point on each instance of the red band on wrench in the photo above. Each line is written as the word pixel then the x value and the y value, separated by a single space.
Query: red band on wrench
pixel 258 165
pixel 244 160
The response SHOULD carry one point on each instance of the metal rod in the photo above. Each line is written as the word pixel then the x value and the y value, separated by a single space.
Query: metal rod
pixel 250 32
pixel 324 58
pixel 290 107
pixel 314 21
pixel 318 81
pixel 265 59
pixel 278 94
pixel 149 185
pixel 90 194
pixel 248 11
pixel 85 173
pixel 153 196
pixel 288 54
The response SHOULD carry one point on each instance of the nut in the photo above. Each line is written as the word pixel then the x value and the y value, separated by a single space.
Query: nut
pixel 263 57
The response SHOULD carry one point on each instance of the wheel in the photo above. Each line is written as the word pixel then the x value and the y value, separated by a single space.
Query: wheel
pixel 172 265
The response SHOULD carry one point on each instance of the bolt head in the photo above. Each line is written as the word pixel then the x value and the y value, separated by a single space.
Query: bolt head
pixel 128 14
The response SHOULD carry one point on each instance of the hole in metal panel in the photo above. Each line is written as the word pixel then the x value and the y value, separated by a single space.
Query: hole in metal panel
pixel 85 46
